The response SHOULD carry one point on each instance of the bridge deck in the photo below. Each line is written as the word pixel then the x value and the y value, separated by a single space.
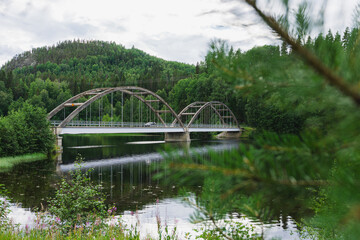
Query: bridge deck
pixel 98 130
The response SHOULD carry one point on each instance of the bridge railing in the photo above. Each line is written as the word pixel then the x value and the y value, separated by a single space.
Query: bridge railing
pixel 56 123
pixel 213 126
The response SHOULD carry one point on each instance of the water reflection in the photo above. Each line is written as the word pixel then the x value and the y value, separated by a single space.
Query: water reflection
pixel 128 180
pixel 148 142
pixel 125 166
pixel 148 158
pixel 95 146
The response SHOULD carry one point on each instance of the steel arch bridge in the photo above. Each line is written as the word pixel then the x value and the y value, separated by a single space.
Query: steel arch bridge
pixel 219 108
pixel 196 117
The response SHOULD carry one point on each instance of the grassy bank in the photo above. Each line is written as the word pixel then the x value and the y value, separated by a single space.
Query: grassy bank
pixel 7 163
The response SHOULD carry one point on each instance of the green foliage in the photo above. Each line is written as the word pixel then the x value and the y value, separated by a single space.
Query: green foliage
pixel 48 94
pixel 54 228
pixel 85 65
pixel 206 87
pixel 5 95
pixel 302 22
pixel 78 203
pixel 261 116
pixel 229 230
pixel 116 230
pixel 25 130
pixel 4 209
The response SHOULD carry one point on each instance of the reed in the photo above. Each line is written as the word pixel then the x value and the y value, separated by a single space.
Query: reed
pixel 7 163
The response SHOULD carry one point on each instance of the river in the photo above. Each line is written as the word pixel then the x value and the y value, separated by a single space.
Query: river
pixel 125 166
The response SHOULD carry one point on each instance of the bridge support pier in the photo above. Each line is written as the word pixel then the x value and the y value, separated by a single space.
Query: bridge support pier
pixel 59 142
pixel 59 149
pixel 229 135
pixel 177 137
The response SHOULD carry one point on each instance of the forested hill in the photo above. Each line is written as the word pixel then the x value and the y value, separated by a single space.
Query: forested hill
pixel 89 64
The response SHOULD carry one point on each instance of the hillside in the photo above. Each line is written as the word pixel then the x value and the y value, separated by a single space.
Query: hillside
pixel 47 76
pixel 88 64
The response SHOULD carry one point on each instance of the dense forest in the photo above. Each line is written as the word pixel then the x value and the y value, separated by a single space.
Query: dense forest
pixel 90 64
pixel 47 76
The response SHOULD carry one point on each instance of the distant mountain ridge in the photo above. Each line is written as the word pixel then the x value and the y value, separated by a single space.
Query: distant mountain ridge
pixel 63 51
pixel 99 63
pixel 70 49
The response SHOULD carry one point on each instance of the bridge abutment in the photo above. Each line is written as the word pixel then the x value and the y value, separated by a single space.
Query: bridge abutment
pixel 177 137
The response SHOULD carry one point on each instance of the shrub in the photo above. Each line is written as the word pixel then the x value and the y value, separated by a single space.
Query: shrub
pixel 25 130
pixel 77 202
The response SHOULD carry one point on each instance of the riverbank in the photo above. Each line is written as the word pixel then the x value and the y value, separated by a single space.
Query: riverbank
pixel 7 163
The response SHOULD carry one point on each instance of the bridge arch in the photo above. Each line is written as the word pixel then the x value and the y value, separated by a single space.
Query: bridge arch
pixel 98 93
pixel 223 112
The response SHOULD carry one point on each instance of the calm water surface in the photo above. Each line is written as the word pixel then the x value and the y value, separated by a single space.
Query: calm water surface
pixel 125 166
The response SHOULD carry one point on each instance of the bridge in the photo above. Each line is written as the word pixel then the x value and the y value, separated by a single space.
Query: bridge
pixel 132 109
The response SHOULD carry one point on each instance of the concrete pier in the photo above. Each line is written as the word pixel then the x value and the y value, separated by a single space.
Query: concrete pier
pixel 59 142
pixel 59 149
pixel 177 137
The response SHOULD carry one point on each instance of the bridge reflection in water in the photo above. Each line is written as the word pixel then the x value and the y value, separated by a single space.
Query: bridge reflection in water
pixel 129 179
pixel 151 157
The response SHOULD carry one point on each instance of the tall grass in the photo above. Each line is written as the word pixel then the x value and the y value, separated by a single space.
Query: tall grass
pixel 7 163
pixel 107 233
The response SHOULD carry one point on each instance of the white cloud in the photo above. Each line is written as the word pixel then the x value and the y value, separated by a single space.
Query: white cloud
pixel 171 29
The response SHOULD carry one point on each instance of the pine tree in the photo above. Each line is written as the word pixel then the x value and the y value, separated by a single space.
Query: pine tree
pixel 284 48
pixel 345 38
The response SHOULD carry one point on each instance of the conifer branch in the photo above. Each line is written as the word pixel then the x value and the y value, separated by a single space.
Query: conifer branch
pixel 211 217
pixel 331 77
pixel 219 229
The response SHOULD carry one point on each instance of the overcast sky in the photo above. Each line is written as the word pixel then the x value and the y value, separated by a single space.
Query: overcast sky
pixel 178 30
